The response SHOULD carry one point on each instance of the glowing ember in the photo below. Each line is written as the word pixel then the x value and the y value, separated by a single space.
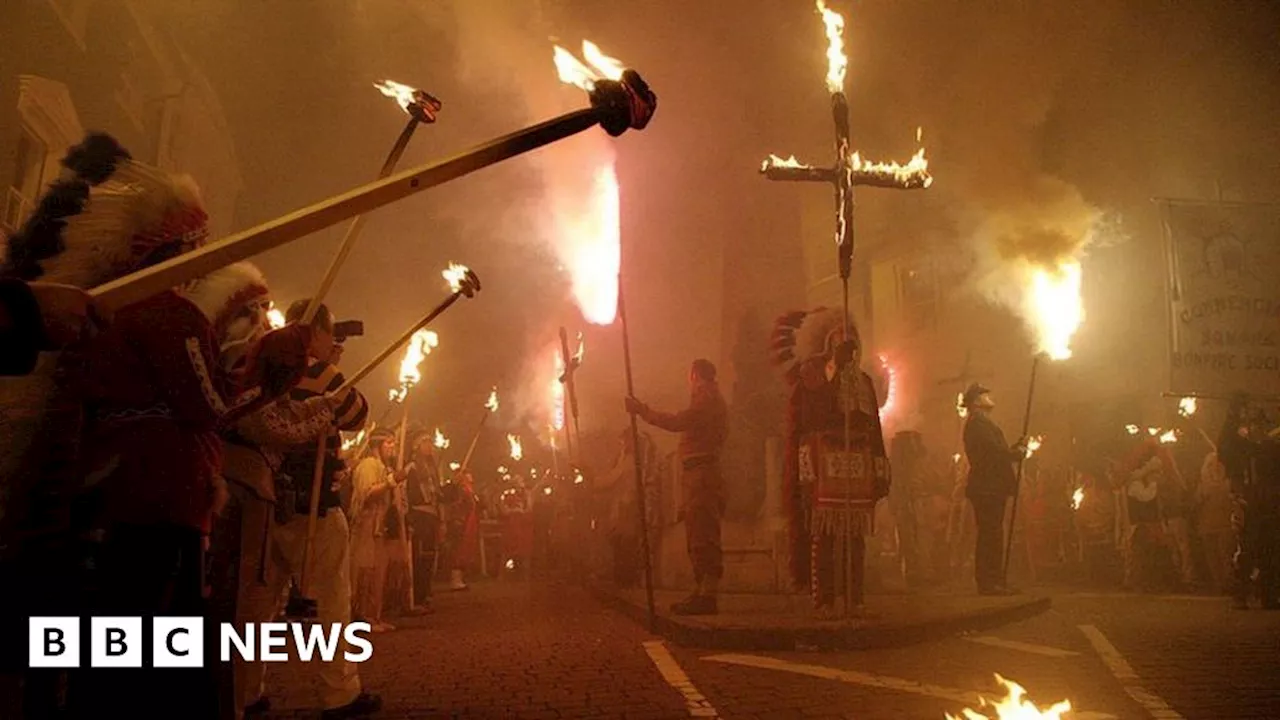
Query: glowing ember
pixel 1170 436
pixel 961 410
pixel 546 490
pixel 455 466
pixel 1153 431
pixel 517 451
pixel 1187 407
pixel 837 63
pixel 1077 497
pixel 577 477
pixel 1033 444
pixel 598 66
pixel 454 275
pixel 511 564
pixel 1014 706
pixel 492 402
pixel 915 174
pixel 1132 429
pixel 353 441
pixel 274 317
pixel 441 441
pixel 420 346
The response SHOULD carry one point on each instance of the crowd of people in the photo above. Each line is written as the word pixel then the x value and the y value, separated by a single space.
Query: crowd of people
pixel 1151 516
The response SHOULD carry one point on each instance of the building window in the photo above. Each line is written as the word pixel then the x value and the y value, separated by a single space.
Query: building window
pixel 919 296
pixel 22 193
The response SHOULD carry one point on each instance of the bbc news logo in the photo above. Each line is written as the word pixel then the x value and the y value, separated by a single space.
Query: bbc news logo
pixel 178 642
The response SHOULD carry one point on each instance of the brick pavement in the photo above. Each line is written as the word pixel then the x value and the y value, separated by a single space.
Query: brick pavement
pixel 505 650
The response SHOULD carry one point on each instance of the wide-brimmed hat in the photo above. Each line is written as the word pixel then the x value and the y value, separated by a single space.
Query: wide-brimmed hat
pixel 972 393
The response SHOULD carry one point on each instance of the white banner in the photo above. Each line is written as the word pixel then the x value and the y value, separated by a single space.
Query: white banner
pixel 1224 297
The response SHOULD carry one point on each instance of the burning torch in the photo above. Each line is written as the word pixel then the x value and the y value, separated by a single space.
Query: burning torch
pixel 617 104
pixel 463 283
pixel 490 407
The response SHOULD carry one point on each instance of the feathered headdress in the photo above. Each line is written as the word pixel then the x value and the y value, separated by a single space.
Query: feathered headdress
pixel 801 335
pixel 107 216
pixel 235 299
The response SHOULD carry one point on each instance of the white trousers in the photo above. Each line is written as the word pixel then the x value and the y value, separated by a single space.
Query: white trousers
pixel 330 585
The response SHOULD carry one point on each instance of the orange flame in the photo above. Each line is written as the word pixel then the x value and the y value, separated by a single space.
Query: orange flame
pixel 517 450
pixel 492 402
pixel 275 318
pixel 1014 706
pixel 557 398
pixel 776 162
pixel 402 93
pixel 913 174
pixel 597 67
pixel 455 274
pixel 441 441
pixel 420 346
pixel 837 62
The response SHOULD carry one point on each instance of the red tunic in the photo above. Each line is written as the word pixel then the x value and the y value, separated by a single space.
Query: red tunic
pixel 155 400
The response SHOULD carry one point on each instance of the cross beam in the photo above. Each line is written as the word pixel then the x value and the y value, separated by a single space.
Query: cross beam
pixel 571 365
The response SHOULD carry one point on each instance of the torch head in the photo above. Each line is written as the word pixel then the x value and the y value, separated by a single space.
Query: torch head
pixel 468 284
pixel 624 103
pixel 424 106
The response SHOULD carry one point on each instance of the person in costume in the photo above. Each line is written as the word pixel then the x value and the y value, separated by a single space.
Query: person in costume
pixel 990 484
pixel 372 506
pixel 423 488
pixel 462 532
pixel 703 428
pixel 826 382
pixel 154 399
pixel 1251 456
pixel 515 509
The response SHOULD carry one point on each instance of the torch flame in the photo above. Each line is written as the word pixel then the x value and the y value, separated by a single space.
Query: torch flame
pixel 403 94
pixel 577 477
pixel 1187 407
pixel 454 466
pixel 1014 706
pixel 837 63
pixel 956 458
pixel 585 75
pixel 1057 308
pixel 492 402
pixel 454 275
pixel 275 318
pixel 1170 436
pixel 961 410
pixel 557 398
pixel 1153 431
pixel 1132 429
pixel 441 442
pixel 420 346
pixel 503 469
pixel 1077 497
pixel 1033 444
pixel 353 441
pixel 517 451
pixel 891 394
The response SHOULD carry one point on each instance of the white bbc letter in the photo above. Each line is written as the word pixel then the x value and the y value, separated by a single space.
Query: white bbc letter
pixel 116 642
pixel 244 645
pixel 53 642
pixel 315 636
pixel 177 642
pixel 273 637
pixel 366 647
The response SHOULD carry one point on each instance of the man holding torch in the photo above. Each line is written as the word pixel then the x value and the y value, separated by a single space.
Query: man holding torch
pixel 703 427
pixel 991 483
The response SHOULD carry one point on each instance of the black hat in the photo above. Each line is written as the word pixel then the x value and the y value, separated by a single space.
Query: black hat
pixel 972 394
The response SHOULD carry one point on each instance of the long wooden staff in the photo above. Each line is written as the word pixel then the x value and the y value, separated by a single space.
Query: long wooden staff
pixel 403 489
pixel 641 500
pixel 616 106
pixel 1026 428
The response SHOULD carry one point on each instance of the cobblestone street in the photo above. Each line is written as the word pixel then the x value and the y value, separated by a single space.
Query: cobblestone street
pixel 541 651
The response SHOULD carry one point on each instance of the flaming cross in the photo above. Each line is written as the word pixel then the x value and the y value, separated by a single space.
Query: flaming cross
pixel 850 169
pixel 569 368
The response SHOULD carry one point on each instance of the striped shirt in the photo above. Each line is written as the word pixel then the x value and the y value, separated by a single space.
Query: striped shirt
pixel 321 378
